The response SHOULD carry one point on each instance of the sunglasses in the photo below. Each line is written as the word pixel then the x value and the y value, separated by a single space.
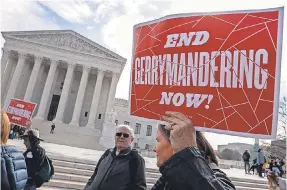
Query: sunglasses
pixel 122 134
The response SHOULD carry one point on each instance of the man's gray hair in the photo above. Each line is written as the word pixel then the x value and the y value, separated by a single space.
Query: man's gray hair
pixel 131 130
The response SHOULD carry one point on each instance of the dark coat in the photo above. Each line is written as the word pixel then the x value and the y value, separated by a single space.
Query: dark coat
pixel 188 170
pixel 13 169
pixel 113 172
pixel 34 160
pixel 246 157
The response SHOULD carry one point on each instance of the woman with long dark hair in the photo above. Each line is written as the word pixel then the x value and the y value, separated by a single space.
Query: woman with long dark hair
pixel 185 158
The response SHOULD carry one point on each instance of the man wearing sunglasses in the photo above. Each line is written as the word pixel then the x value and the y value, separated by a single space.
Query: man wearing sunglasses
pixel 119 168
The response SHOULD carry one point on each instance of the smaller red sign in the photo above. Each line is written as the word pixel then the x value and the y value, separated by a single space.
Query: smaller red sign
pixel 20 111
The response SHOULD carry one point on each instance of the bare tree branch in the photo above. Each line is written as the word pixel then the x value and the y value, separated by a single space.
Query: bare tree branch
pixel 282 121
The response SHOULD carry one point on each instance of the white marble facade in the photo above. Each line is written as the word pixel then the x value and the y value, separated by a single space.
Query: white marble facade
pixel 66 72
pixel 60 70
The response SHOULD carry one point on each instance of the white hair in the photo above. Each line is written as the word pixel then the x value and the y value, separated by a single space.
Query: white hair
pixel 131 130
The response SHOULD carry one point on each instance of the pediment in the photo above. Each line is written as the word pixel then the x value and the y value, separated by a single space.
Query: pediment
pixel 68 40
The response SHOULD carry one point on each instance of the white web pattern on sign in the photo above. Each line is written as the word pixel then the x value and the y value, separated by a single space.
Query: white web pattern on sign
pixel 160 62
pixel 255 25
pixel 232 106
pixel 223 20
pixel 266 127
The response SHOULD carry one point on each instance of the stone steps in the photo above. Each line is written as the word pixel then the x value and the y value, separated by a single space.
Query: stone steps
pixel 73 173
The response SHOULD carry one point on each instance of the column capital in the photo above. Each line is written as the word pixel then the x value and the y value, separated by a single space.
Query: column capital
pixel 116 75
pixel 54 63
pixel 38 58
pixel 71 65
pixel 5 50
pixel 86 68
pixel 101 71
pixel 22 55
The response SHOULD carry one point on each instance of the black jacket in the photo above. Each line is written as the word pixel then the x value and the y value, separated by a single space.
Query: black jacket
pixel 188 170
pixel 13 169
pixel 246 156
pixel 113 172
pixel 34 160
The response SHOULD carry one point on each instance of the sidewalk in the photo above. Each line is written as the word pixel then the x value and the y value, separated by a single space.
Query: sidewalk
pixel 94 155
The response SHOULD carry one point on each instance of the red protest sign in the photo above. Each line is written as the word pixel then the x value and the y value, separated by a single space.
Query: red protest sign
pixel 220 69
pixel 20 111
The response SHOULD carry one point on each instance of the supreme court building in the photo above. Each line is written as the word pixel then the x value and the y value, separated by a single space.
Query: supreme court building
pixel 72 80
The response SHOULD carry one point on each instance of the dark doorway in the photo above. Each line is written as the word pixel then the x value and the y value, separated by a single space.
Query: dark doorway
pixel 53 107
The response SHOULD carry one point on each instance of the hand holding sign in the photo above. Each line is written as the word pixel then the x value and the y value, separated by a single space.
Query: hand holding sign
pixel 29 124
pixel 20 112
pixel 182 132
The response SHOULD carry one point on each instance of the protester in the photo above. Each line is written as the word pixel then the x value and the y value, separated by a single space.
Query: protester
pixel 273 174
pixel 36 161
pixel 12 134
pixel 246 157
pixel 282 180
pixel 254 166
pixel 260 161
pixel 274 166
pixel 52 128
pixel 185 158
pixel 13 166
pixel 272 180
pixel 119 168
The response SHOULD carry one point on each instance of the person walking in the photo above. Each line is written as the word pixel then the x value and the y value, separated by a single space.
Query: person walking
pixel 246 158
pixel 185 158
pixel 120 168
pixel 13 167
pixel 39 167
pixel 52 128
pixel 260 161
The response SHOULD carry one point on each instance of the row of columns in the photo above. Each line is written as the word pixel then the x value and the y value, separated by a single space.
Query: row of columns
pixel 65 91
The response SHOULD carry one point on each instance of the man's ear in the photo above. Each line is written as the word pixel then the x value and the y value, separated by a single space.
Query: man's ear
pixel 132 139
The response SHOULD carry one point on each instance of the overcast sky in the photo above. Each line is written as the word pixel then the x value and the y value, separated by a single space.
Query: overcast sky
pixel 110 22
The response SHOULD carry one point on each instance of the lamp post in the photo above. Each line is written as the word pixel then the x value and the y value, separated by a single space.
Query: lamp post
pixel 255 148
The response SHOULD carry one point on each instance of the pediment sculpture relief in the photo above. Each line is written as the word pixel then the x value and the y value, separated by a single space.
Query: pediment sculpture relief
pixel 67 41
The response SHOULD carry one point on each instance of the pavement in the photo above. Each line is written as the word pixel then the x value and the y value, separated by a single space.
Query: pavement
pixel 94 155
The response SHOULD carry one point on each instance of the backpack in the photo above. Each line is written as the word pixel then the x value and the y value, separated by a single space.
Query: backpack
pixel 45 173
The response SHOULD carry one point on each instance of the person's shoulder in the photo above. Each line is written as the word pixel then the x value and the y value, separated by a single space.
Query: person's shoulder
pixel 107 151
pixel 9 149
pixel 12 152
pixel 39 150
pixel 135 153
pixel 223 177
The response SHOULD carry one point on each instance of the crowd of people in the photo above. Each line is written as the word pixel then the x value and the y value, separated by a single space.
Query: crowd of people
pixel 185 160
pixel 271 167
pixel 28 170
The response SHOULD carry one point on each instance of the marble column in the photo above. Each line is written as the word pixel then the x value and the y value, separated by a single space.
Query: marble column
pixel 96 99
pixel 33 78
pixel 5 78
pixel 47 90
pixel 15 79
pixel 65 93
pixel 112 92
pixel 4 60
pixel 80 96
